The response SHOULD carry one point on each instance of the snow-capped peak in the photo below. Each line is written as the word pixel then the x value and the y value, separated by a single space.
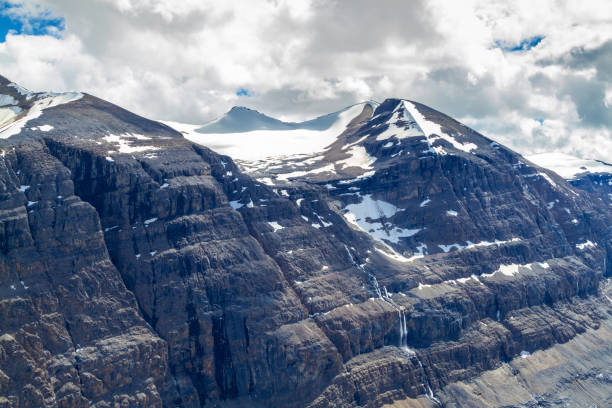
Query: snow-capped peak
pixel 18 106
pixel 265 137
pixel 243 119
pixel 349 143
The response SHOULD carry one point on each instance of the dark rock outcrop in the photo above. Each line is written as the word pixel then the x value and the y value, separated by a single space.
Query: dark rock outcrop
pixel 138 268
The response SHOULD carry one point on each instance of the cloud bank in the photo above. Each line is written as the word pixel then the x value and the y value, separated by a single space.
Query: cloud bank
pixel 536 76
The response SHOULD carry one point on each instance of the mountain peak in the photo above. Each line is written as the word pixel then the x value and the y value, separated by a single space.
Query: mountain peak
pixel 240 119
pixel 30 114
pixel 381 250
pixel 240 108
pixel 243 119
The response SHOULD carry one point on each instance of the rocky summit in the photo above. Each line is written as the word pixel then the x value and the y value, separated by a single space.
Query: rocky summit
pixel 382 255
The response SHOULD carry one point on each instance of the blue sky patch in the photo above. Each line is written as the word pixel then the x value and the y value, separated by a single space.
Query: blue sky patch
pixel 14 19
pixel 243 92
pixel 524 45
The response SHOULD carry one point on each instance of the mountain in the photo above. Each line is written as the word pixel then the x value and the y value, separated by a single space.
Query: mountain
pixel 395 257
pixel 594 176
pixel 286 139
pixel 570 167
pixel 240 119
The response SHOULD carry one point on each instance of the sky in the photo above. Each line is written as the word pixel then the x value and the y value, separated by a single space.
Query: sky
pixel 534 75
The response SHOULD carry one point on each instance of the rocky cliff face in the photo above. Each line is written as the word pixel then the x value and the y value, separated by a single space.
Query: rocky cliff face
pixel 71 332
pixel 412 255
pixel 599 184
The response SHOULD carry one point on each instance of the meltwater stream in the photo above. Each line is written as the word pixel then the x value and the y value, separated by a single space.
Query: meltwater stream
pixel 403 328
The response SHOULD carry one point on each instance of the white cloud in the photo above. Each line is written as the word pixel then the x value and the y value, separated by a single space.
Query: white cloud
pixel 185 60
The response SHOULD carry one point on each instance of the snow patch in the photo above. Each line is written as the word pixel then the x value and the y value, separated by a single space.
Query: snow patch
pixel 433 131
pixel 43 101
pixel 150 221
pixel 400 114
pixel 359 157
pixel 513 269
pixel 465 280
pixel 469 244
pixel 275 226
pixel 370 216
pixel 43 128
pixel 7 114
pixel 266 180
pixel 124 143
pixel 586 244
pixel 543 175
pixel 7 100
pixel 22 90
pixel 286 176
pixel 392 254
pixel 447 248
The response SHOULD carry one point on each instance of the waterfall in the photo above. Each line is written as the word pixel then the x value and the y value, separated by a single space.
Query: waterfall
pixel 412 355
pixel 431 397
pixel 350 255
pixel 372 277
pixel 403 329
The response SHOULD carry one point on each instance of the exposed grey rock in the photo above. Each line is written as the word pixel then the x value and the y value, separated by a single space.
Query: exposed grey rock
pixel 158 272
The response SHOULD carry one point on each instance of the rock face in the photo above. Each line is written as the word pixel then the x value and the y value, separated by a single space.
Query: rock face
pixel 594 176
pixel 70 330
pixel 409 257
pixel 599 184
pixel 576 373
